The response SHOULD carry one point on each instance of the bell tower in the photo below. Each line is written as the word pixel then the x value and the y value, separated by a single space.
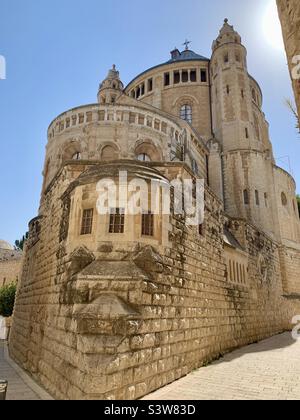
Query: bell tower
pixel 240 127
pixel 230 90
pixel 111 88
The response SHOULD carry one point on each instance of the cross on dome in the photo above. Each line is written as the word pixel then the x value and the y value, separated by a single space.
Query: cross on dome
pixel 187 43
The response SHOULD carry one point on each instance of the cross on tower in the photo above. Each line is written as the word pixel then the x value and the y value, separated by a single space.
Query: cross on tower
pixel 187 43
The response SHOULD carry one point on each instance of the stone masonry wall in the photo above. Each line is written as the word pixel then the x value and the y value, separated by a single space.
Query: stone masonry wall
pixel 290 260
pixel 119 329
pixel 289 13
pixel 9 271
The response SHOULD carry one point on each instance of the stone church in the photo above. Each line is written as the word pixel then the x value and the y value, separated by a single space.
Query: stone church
pixel 116 306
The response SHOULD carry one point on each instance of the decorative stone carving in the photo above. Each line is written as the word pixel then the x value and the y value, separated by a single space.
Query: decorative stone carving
pixel 108 314
pixel 149 260
pixel 79 259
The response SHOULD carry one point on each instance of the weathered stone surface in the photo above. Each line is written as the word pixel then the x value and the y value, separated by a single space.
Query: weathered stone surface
pixel 107 310
pixel 289 13
pixel 149 260
pixel 10 264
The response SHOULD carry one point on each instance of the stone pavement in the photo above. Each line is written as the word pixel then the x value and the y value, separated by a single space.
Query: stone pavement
pixel 269 370
pixel 20 385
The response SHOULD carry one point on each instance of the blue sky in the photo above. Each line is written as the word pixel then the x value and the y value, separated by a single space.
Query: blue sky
pixel 58 51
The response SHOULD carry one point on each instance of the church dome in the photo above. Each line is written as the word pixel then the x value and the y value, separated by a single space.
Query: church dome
pixel 6 246
pixel 186 55
pixel 176 57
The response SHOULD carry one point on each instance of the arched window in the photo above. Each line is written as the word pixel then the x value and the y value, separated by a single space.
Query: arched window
pixel 246 197
pixel 186 113
pixel 76 156
pixel 143 157
pixel 109 153
pixel 284 199
pixel 146 151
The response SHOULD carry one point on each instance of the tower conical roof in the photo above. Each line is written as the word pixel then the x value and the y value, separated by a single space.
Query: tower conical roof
pixel 227 35
pixel 111 87
pixel 112 80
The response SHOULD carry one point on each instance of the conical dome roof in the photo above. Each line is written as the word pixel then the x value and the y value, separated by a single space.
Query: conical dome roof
pixel 227 35
pixel 112 80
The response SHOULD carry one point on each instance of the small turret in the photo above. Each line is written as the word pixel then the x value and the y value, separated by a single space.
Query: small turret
pixel 111 88
pixel 227 36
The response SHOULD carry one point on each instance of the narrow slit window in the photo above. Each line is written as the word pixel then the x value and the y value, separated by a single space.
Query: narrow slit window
pixel 150 85
pixel 246 197
pixel 87 222
pixel 117 220
pixel 201 230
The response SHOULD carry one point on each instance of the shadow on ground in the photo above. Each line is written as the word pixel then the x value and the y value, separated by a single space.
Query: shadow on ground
pixel 275 343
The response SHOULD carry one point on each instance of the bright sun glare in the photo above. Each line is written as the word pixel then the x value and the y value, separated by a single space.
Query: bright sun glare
pixel 271 26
